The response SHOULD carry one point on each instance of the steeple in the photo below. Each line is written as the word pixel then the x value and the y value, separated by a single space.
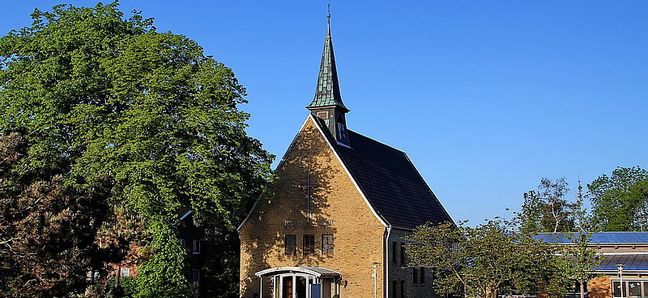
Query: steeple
pixel 327 103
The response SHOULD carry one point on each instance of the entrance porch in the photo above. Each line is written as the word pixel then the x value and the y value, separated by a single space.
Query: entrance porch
pixel 299 282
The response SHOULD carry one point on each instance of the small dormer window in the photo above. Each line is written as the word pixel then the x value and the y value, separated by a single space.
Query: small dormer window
pixel 342 134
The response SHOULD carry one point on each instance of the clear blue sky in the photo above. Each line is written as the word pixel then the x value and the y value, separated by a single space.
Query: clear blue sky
pixel 486 97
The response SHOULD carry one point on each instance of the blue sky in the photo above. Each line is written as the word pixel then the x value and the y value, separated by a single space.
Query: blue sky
pixel 486 97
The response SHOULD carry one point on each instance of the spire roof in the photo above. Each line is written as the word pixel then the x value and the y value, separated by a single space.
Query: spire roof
pixel 328 87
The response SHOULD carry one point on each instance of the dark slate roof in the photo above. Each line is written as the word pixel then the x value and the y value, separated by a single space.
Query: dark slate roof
pixel 328 86
pixel 389 180
pixel 631 262
pixel 598 238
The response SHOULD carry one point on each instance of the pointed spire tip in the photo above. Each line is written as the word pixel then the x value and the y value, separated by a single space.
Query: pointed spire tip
pixel 328 19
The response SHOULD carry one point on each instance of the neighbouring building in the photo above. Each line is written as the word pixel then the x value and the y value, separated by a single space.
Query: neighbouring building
pixel 623 268
pixel 334 223
pixel 124 261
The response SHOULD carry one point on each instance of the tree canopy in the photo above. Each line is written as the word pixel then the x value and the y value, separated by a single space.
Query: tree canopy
pixel 140 121
pixel 620 200
pixel 472 259
pixel 547 209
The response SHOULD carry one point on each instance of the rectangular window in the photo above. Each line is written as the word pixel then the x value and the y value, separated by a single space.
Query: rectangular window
pixel 290 244
pixel 327 244
pixel 634 289
pixel 195 277
pixel 422 275
pixel 92 276
pixel 309 244
pixel 415 276
pixel 403 255
pixel 124 272
pixel 402 289
pixel 196 247
pixel 395 252
pixel 616 289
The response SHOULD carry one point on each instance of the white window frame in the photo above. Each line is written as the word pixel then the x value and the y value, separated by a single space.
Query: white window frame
pixel 124 272
pixel 626 289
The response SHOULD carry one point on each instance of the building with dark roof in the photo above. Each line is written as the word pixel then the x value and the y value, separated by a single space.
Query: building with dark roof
pixel 623 262
pixel 334 222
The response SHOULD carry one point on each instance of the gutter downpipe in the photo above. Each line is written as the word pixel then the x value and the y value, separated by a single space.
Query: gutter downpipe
pixel 386 266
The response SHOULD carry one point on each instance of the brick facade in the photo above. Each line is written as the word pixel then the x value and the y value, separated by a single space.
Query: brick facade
pixel 402 275
pixel 337 208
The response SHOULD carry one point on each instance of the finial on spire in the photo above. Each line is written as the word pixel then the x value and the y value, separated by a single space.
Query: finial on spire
pixel 328 18
pixel 329 10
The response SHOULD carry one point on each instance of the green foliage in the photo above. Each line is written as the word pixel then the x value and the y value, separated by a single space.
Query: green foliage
pixel 108 100
pixel 162 274
pixel 620 201
pixel 547 210
pixel 488 260
pixel 581 258
pixel 127 288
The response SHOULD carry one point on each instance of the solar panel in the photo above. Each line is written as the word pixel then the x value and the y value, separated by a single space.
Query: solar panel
pixel 598 238
pixel 631 262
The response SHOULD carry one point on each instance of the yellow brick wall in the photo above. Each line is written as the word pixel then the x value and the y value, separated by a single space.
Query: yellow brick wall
pixel 402 272
pixel 358 233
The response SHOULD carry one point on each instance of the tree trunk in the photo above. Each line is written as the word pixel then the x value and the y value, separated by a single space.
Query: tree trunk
pixel 582 289
pixel 491 292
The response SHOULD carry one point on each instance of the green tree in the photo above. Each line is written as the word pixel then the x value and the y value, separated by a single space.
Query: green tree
pixel 581 256
pixel 472 259
pixel 547 210
pixel 108 100
pixel 619 201
pixel 581 259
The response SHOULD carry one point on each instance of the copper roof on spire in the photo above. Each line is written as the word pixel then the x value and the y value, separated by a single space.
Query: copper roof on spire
pixel 328 87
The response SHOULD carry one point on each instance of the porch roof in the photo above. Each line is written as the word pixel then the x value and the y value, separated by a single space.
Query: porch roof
pixel 314 271
pixel 632 263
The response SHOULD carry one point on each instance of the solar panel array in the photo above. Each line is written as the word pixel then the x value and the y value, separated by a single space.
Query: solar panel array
pixel 631 262
pixel 598 238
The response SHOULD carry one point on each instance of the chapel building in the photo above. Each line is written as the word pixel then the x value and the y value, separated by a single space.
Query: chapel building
pixel 335 221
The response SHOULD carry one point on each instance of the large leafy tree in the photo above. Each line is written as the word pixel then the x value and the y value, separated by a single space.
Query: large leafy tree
pixel 548 210
pixel 620 200
pixel 472 259
pixel 104 100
